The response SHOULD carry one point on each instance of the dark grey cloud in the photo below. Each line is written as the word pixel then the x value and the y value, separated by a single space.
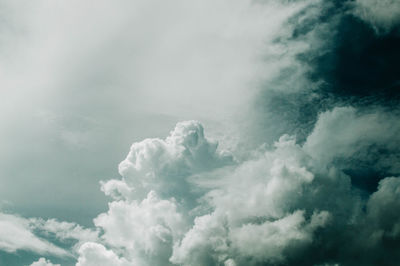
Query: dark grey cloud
pixel 347 63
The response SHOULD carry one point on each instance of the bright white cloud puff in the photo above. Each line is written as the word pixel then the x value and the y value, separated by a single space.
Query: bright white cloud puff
pixel 43 262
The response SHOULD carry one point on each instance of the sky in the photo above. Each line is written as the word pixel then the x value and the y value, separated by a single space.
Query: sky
pixel 199 133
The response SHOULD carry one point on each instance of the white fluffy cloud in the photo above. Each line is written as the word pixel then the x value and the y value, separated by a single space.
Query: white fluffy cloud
pixel 267 208
pixel 43 262
pixel 266 242
pixel 143 220
pixel 260 210
pixel 93 254
pixel 347 134
pixel 260 200
pixel 205 243
pixel 214 240
pixel 164 165
pixel 147 228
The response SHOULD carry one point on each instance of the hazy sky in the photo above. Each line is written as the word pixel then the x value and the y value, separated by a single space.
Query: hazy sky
pixel 214 132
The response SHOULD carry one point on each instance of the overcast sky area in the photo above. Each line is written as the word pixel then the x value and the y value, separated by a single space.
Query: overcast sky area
pixel 199 133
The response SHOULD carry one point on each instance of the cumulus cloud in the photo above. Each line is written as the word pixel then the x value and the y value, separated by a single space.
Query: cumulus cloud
pixel 93 254
pixel 263 208
pixel 346 133
pixel 271 208
pixel 43 262
pixel 213 240
pixel 151 206
pixel 164 165
pixel 141 229
pixel 266 242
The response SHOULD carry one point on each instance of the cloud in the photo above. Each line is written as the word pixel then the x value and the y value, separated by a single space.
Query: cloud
pixel 282 201
pixel 382 15
pixel 151 203
pixel 362 143
pixel 144 229
pixel 304 89
pixel 15 234
pixel 266 242
pixel 213 240
pixel 345 133
pixel 266 207
pixel 43 262
pixel 93 254
pixel 164 165
pixel 63 231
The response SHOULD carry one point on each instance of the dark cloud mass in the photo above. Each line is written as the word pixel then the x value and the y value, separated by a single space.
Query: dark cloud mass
pixel 349 63
pixel 311 177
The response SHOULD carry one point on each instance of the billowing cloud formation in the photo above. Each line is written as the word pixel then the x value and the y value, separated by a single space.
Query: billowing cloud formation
pixel 264 207
pixel 164 165
pixel 43 262
pixel 149 227
pixel 271 208
pixel 346 134
pixel 144 219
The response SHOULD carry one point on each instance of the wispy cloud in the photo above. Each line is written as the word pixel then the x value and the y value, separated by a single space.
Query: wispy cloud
pixel 16 234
